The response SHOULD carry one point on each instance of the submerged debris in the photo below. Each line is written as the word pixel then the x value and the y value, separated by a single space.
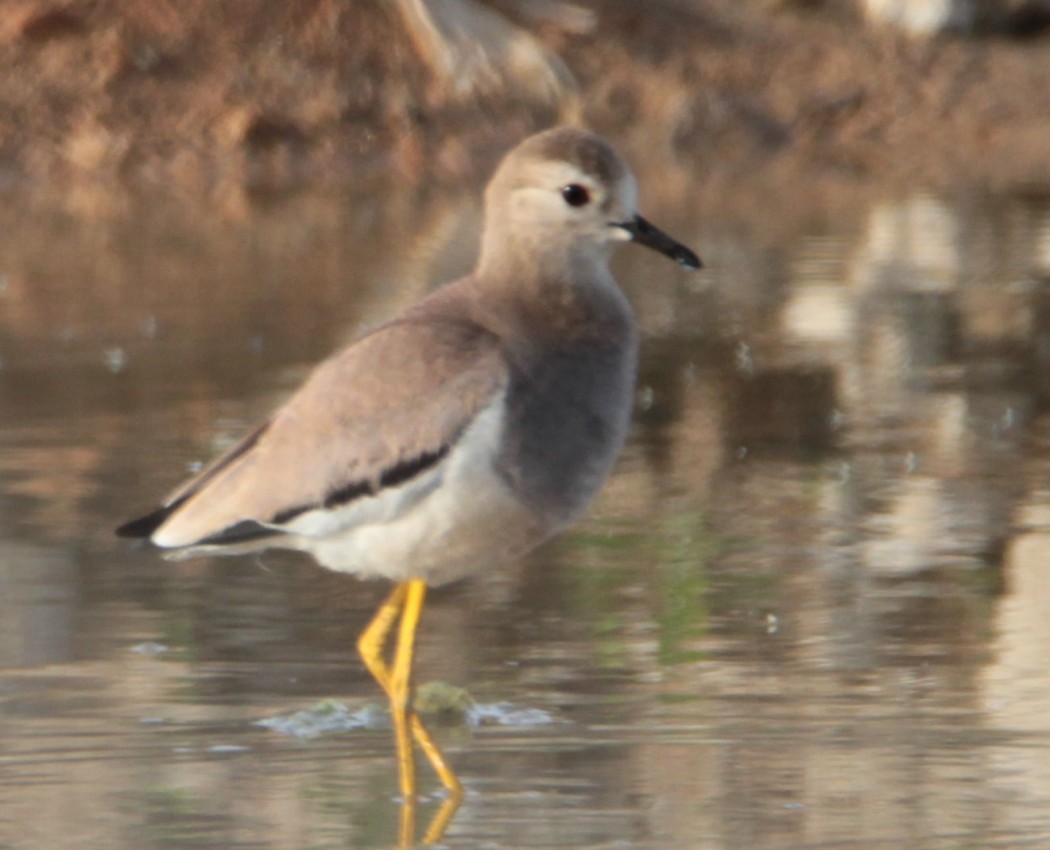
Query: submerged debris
pixel 330 716
pixel 507 714
pixel 443 699
pixel 325 717
pixel 151 648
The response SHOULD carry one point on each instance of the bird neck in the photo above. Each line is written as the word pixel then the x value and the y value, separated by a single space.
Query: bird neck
pixel 535 263
pixel 570 294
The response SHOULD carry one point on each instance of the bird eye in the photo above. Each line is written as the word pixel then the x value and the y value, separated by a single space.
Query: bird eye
pixel 575 195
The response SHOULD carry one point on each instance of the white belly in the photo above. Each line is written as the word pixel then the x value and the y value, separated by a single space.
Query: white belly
pixel 448 522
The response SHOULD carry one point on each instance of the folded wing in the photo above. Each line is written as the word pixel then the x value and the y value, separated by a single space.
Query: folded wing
pixel 371 418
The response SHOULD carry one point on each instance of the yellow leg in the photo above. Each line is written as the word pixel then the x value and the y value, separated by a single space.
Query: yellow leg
pixel 435 757
pixel 373 638
pixel 401 683
pixel 406 601
pixel 407 834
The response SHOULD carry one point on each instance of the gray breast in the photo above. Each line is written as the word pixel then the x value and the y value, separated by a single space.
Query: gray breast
pixel 567 415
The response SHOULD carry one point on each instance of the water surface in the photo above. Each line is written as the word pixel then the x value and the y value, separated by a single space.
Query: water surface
pixel 810 610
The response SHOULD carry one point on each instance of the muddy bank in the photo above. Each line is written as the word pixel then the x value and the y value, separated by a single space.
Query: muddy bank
pixel 270 94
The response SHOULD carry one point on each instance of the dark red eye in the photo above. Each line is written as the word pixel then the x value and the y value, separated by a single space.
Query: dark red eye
pixel 575 195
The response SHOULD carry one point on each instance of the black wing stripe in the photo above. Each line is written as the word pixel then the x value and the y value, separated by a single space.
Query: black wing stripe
pixel 144 526
pixel 393 476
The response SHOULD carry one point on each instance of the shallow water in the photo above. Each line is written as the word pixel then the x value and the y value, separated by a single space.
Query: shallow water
pixel 810 610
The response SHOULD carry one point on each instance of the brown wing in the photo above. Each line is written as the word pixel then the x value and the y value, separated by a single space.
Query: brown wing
pixel 372 416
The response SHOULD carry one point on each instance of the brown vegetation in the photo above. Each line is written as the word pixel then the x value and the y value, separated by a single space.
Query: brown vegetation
pixel 294 92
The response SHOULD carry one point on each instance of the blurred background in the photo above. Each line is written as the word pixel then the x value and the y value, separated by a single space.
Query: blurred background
pixel 811 609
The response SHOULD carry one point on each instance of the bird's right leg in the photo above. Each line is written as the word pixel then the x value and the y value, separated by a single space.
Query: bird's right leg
pixel 405 603
pixel 373 639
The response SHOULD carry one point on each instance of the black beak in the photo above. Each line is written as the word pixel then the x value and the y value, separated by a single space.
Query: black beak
pixel 646 234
